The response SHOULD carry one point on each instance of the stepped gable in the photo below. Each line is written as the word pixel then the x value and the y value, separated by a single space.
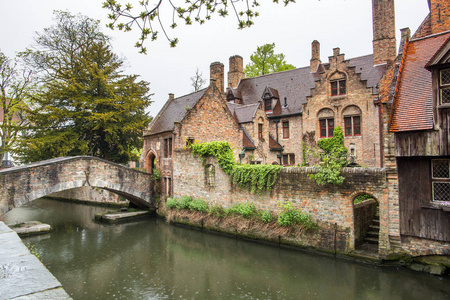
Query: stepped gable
pixel 174 111
pixel 296 84
pixel 413 102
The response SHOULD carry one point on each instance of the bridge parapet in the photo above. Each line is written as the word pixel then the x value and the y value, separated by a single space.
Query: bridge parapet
pixel 23 184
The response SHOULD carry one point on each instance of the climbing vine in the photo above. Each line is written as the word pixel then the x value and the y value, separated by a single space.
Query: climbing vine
pixel 255 177
pixel 333 158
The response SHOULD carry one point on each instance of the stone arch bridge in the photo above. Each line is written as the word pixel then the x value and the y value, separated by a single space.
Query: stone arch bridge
pixel 26 183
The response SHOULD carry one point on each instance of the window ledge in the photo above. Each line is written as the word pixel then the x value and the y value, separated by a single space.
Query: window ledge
pixel 436 207
pixel 446 105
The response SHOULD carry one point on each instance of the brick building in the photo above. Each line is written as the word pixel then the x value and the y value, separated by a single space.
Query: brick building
pixel 415 101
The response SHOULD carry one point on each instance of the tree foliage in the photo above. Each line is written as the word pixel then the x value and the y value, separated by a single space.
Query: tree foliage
pixel 333 158
pixel 14 84
pixel 84 105
pixel 265 61
pixel 147 16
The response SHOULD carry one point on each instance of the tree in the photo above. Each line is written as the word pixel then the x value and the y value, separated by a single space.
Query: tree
pixel 265 61
pixel 197 80
pixel 14 85
pixel 147 16
pixel 83 105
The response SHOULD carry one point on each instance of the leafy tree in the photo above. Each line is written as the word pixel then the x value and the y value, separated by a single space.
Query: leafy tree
pixel 265 61
pixel 14 85
pixel 84 105
pixel 147 16
pixel 197 80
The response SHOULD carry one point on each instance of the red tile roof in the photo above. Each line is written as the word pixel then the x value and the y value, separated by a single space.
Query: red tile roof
pixel 413 101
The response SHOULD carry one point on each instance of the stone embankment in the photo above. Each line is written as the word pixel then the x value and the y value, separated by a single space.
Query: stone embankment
pixel 22 275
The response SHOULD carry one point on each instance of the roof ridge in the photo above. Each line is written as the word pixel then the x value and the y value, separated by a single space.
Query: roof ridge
pixel 429 36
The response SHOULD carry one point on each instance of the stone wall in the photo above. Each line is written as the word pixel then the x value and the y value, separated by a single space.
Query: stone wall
pixel 329 205
pixel 88 193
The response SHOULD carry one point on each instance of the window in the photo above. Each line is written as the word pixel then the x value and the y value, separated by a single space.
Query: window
pixel 210 175
pixel 338 87
pixel 441 179
pixel 260 131
pixel 288 159
pixel 444 86
pixel 352 125
pixel 268 104
pixel 168 186
pixel 285 129
pixel 189 142
pixel 168 147
pixel 326 128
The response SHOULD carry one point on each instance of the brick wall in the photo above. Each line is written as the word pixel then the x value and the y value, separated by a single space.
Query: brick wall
pixel 384 44
pixel 364 213
pixel 440 16
pixel 358 97
pixel 328 204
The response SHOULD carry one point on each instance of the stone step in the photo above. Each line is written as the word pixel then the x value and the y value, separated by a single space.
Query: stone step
pixel 376 222
pixel 374 227
pixel 373 234
pixel 371 240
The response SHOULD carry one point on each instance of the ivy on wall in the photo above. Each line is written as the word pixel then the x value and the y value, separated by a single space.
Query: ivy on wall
pixel 333 159
pixel 255 177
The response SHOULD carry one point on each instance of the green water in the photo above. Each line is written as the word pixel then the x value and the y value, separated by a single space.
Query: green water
pixel 149 259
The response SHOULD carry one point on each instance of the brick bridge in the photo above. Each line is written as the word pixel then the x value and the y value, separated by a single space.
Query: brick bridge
pixel 26 183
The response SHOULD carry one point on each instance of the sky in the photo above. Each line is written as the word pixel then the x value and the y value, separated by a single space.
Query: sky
pixel 346 24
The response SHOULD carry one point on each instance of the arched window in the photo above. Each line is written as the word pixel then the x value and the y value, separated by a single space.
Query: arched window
pixel 326 123
pixel 352 121
pixel 260 128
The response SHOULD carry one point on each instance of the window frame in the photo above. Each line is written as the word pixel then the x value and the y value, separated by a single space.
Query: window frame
pixel 268 104
pixel 288 159
pixel 327 128
pixel 439 180
pixel 285 129
pixel 260 131
pixel 340 89
pixel 352 126
pixel 444 86
pixel 168 147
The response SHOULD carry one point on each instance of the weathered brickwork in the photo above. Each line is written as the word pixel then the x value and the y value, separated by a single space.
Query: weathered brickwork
pixel 418 247
pixel 327 204
pixel 440 16
pixel 357 101
pixel 384 44
pixel 292 144
pixel 364 214
pixel 27 183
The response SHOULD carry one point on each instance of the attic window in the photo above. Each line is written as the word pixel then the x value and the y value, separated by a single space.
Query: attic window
pixel 267 104
pixel 445 86
pixel 338 87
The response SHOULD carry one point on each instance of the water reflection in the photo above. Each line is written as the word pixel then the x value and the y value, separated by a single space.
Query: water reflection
pixel 151 260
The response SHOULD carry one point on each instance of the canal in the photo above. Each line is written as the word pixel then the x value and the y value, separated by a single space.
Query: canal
pixel 149 259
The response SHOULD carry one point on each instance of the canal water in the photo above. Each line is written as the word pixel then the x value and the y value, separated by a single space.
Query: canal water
pixel 149 259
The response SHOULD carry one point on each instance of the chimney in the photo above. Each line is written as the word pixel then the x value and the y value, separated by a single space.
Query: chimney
pixel 406 36
pixel 171 96
pixel 315 56
pixel 236 72
pixel 216 73
pixel 384 43
pixel 440 15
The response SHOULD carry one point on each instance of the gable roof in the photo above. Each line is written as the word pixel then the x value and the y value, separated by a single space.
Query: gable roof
pixel 243 113
pixel 174 111
pixel 413 102
pixel 296 84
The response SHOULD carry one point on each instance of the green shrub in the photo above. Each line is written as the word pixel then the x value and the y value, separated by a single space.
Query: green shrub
pixel 242 209
pixel 172 202
pixel 198 205
pixel 216 210
pixel 361 198
pixel 184 202
pixel 266 216
pixel 290 216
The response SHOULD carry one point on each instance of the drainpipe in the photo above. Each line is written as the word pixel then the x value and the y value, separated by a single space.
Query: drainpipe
pixel 276 127
pixel 241 155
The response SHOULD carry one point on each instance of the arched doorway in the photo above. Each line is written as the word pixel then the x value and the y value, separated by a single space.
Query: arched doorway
pixel 366 222
pixel 150 162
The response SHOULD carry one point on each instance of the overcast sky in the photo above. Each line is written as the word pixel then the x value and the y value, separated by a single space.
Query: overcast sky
pixel 346 24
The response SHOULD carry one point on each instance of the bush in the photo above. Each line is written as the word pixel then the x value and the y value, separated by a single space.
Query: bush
pixel 172 202
pixel 242 209
pixel 266 216
pixel 217 211
pixel 290 216
pixel 184 202
pixel 198 205
pixel 362 198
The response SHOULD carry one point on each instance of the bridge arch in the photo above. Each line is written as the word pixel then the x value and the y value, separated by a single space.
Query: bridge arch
pixel 30 182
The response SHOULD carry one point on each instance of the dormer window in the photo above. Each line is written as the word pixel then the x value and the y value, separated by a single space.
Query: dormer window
pixel 268 104
pixel 338 87
pixel 444 86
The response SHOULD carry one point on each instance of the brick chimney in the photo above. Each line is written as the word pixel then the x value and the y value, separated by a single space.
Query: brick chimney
pixel 384 43
pixel 216 73
pixel 440 15
pixel 236 72
pixel 315 56
pixel 171 96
